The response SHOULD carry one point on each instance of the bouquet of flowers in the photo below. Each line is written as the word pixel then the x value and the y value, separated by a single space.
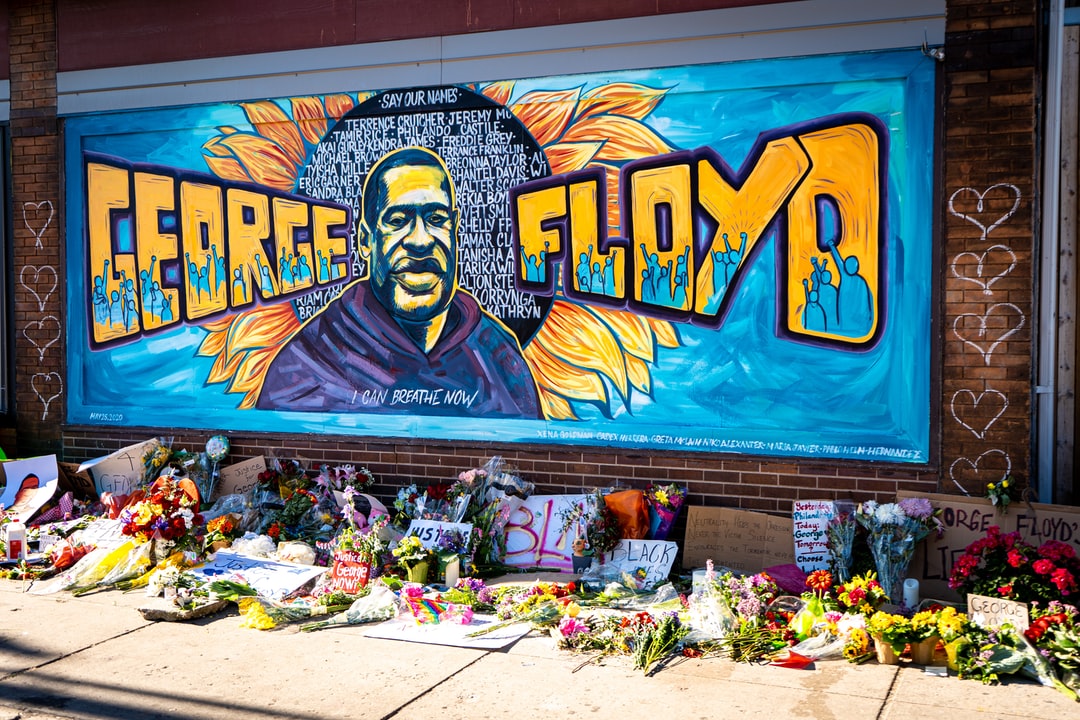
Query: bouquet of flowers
pixel 602 532
pixel 413 557
pixel 338 479
pixel 664 503
pixel 893 531
pixel 840 539
pixel 169 511
pixel 1004 565
pixel 1001 493
pixel 861 594
pixel 221 531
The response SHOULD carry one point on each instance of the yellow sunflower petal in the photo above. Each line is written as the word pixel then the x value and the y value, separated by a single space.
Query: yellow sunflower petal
pixel 274 124
pixel 213 343
pixel 633 332
pixel 576 336
pixel 310 117
pixel 252 371
pixel 568 157
pixel 561 378
pixel 547 113
pixel 224 368
pixel 499 91
pixel 665 332
pixel 261 328
pixel 555 407
pixel 639 374
pixel 629 99
pixel 627 139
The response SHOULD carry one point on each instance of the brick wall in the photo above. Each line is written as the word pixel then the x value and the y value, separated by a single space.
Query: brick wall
pixel 989 149
pixel 35 181
pixel 989 193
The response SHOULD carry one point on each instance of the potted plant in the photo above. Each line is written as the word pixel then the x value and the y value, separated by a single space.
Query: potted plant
pixel 412 557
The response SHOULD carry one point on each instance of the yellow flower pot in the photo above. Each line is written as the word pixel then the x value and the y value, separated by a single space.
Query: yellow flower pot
pixel 418 573
pixel 922 652
pixel 885 653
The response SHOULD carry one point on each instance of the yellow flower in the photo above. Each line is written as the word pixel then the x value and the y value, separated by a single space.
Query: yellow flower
pixel 572 609
pixel 1004 483
pixel 662 498
pixel 989 486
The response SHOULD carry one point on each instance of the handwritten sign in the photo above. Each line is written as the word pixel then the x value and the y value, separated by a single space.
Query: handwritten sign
pixel 644 563
pixel 78 482
pixel 271 578
pixel 991 612
pixel 809 519
pixel 349 572
pixel 121 472
pixel 534 535
pixel 431 532
pixel 238 478
pixel 966 519
pixel 736 539
pixel 102 533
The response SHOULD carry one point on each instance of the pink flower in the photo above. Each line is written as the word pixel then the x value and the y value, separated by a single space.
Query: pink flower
pixel 1043 567
pixel 570 626
pixel 1056 551
pixel 1064 580
pixel 1016 558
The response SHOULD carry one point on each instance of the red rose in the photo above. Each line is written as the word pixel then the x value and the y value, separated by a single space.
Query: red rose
pixel 1043 567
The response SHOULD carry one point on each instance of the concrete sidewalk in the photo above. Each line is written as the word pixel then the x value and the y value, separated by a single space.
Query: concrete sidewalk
pixel 96 657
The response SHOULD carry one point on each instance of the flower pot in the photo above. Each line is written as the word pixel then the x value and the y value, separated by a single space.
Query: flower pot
pixel 885 653
pixel 952 649
pixel 418 573
pixel 922 652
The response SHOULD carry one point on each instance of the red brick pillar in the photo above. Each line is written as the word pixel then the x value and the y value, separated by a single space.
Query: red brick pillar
pixel 990 200
pixel 35 222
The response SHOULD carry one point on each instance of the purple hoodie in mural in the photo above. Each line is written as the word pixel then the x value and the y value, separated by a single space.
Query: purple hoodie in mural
pixel 353 357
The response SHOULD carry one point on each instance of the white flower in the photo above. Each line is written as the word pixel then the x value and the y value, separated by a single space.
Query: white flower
pixel 890 514
pixel 868 508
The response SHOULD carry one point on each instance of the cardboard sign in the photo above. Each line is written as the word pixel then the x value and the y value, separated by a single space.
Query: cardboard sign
pixel 239 478
pixel 966 519
pixel 991 612
pixel 122 472
pixel 271 578
pixel 430 532
pixel 29 484
pixel 534 536
pixel 809 519
pixel 102 533
pixel 647 563
pixel 736 539
pixel 77 482
pixel 349 572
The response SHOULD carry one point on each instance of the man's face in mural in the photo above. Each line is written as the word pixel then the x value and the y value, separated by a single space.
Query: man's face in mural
pixel 412 236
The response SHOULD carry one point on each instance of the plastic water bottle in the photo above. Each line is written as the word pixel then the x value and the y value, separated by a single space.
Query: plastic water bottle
pixel 16 541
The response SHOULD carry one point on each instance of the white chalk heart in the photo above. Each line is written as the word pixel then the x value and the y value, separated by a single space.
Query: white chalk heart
pixel 960 266
pixel 41 325
pixel 31 287
pixel 43 385
pixel 36 217
pixel 986 339
pixel 997 466
pixel 966 403
pixel 984 209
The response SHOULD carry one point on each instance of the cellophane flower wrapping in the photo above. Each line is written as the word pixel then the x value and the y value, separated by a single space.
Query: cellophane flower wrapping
pixel 664 503
pixel 893 532
pixel 840 537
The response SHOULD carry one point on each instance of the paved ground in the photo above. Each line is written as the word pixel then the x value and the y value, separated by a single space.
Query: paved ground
pixel 96 657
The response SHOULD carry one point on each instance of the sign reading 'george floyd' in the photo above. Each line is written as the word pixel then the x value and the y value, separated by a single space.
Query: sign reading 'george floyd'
pixel 694 258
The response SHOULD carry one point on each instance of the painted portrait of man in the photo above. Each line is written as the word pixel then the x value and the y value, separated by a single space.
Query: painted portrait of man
pixel 407 339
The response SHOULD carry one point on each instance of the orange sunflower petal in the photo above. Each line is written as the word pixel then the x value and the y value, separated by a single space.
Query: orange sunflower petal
pixel 261 328
pixel 338 105
pixel 223 369
pixel 639 374
pixel 274 124
pixel 227 168
pixel 310 117
pixel 499 91
pixel 547 113
pixel 632 331
pixel 665 332
pixel 627 139
pixel 630 99
pixel 252 371
pixel 213 343
pixel 568 157
pixel 266 162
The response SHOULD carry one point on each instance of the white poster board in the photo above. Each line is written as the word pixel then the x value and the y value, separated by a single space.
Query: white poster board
pixel 430 532
pixel 121 472
pixel 534 536
pixel 809 519
pixel 644 563
pixel 30 484
pixel 272 579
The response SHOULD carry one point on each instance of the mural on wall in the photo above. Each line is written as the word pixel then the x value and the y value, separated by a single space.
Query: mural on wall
pixel 721 258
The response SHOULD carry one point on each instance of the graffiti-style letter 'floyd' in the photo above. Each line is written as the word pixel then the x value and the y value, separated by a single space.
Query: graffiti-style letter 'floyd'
pixel 693 226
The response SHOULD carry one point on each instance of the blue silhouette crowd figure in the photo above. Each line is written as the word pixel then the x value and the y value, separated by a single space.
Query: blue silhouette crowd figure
pixel 534 265
pixel 846 308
